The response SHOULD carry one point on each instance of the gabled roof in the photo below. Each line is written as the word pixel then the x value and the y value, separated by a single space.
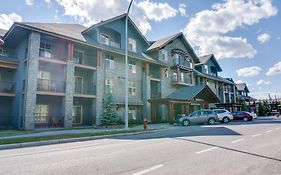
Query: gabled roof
pixel 218 78
pixel 189 93
pixel 114 19
pixel 68 30
pixel 163 42
pixel 204 59
pixel 2 32
pixel 242 87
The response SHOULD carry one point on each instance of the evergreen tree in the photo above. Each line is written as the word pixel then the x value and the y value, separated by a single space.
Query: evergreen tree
pixel 109 115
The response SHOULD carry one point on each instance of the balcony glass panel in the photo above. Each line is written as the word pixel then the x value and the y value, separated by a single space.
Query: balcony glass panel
pixel 51 85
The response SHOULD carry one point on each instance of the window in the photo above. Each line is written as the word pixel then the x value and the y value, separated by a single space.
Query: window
pixel 78 56
pixel 78 84
pixel 132 45
pixel 109 85
pixel 176 59
pixel 41 113
pixel 77 115
pixel 182 77
pixel 206 69
pixel 132 67
pixel 164 55
pixel 207 112
pixel 44 80
pixel 175 76
pixel 45 49
pixel 109 62
pixel 132 113
pixel 1 51
pixel 104 39
pixel 166 74
pixel 132 88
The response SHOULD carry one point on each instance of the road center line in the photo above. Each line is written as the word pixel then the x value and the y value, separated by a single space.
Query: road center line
pixel 256 135
pixel 149 169
pixel 268 131
pixel 206 150
pixel 239 140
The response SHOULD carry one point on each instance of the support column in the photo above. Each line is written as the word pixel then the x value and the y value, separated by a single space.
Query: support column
pixel 147 92
pixel 100 80
pixel 68 99
pixel 31 80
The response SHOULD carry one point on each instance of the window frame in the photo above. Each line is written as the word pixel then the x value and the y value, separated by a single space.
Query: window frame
pixel 47 52
pixel 81 116
pixel 133 42
pixel 82 84
pixel 38 118
pixel 109 83
pixel 82 53
pixel 133 112
pixel 132 67
pixel 106 37
pixel 132 88
pixel 110 60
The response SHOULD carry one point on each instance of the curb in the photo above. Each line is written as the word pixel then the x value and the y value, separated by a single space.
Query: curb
pixel 69 140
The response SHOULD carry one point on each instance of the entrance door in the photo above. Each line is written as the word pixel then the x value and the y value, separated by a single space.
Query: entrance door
pixel 77 115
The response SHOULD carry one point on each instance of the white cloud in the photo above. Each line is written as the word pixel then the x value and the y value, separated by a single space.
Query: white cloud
pixel 182 9
pixel 263 82
pixel 29 2
pixel 263 38
pixel 248 71
pixel 91 12
pixel 7 20
pixel 275 70
pixel 208 29
pixel 157 11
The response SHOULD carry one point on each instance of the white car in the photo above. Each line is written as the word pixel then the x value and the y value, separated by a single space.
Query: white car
pixel 254 115
pixel 224 115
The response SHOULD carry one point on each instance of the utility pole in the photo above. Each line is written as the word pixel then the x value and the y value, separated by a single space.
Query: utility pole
pixel 126 68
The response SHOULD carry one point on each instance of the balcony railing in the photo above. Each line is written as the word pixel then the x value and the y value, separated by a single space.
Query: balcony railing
pixel 48 121
pixel 50 54
pixel 8 57
pixel 86 89
pixel 87 59
pixel 109 42
pixel 180 62
pixel 7 86
pixel 51 85
pixel 181 79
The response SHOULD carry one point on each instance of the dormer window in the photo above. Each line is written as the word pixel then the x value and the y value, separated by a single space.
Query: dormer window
pixel 164 55
pixel 105 39
pixel 206 69
pixel 132 45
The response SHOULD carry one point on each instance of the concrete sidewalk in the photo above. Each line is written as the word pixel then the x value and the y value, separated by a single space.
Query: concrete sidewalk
pixel 81 131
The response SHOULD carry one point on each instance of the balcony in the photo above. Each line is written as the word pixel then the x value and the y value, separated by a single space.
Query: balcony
pixel 7 87
pixel 181 80
pixel 182 64
pixel 154 72
pixel 51 86
pixel 109 42
pixel 85 89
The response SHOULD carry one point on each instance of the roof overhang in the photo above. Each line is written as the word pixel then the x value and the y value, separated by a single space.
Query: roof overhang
pixel 1 42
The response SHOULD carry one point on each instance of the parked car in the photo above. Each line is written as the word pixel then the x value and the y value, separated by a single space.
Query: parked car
pixel 242 115
pixel 254 115
pixel 224 115
pixel 199 117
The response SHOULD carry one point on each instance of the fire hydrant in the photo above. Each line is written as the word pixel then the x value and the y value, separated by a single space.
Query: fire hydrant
pixel 145 123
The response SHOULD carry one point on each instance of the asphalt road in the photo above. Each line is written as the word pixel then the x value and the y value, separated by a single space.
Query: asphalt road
pixel 236 148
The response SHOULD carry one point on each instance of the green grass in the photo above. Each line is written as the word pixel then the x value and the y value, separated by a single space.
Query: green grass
pixel 15 132
pixel 63 136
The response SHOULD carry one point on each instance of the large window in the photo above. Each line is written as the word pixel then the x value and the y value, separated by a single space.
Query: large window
pixel 44 80
pixel 45 49
pixel 41 113
pixel 105 39
pixel 78 56
pixel 132 88
pixel 132 45
pixel 78 84
pixel 132 67
pixel 109 62
pixel 77 115
pixel 109 85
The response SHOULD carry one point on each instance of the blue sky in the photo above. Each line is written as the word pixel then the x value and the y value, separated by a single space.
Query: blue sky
pixel 244 35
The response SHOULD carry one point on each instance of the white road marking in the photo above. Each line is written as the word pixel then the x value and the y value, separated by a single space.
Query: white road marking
pixel 206 150
pixel 256 135
pixel 268 131
pixel 239 140
pixel 277 128
pixel 149 169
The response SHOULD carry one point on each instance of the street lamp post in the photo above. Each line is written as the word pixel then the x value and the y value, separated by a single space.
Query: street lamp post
pixel 126 68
